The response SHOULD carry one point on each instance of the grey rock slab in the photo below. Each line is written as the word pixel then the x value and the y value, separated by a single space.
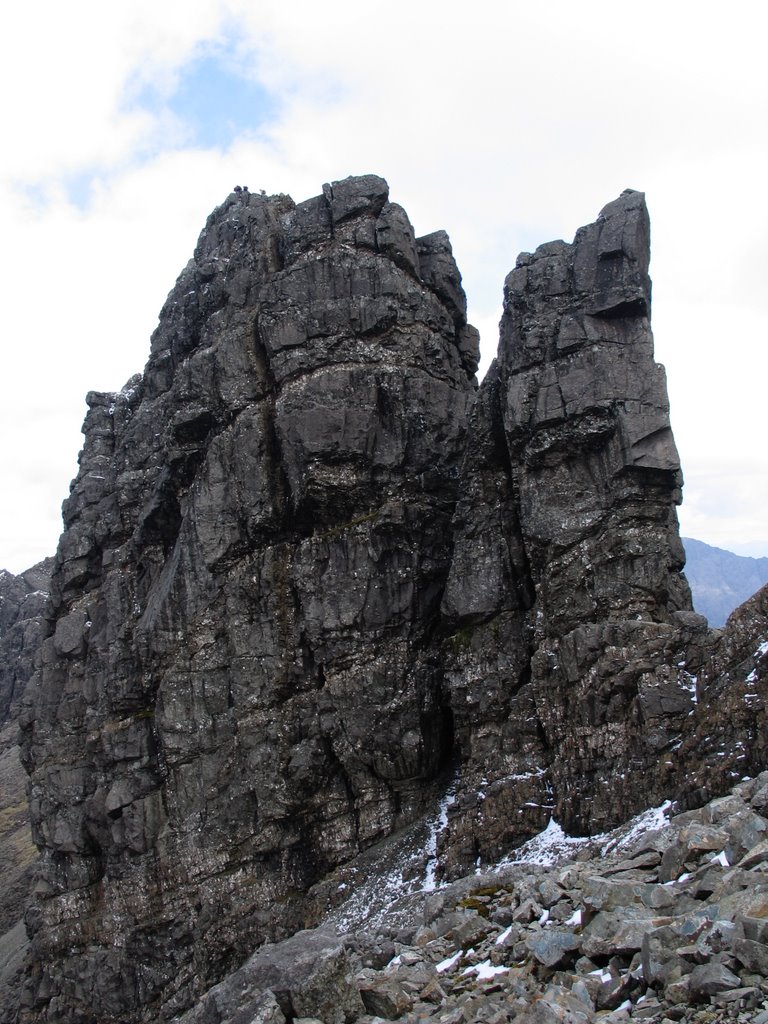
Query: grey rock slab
pixel 709 979
pixel 678 990
pixel 384 997
pixel 471 930
pixel 610 933
pixel 757 855
pixel 552 946
pixel 746 998
pixel 692 841
pixel 310 975
pixel 659 954
pixel 754 928
pixel 548 1013
pixel 529 910
pixel 264 1010
pixel 600 893
pixel 642 861
pixel 752 954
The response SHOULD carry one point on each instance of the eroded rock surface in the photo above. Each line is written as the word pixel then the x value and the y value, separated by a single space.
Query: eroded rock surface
pixel 242 685
pixel 575 644
pixel 23 602
pixel 314 588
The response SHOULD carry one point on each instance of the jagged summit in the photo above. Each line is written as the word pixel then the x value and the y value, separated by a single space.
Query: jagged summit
pixel 313 579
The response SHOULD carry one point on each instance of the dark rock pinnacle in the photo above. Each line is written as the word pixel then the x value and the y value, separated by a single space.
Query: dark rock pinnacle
pixel 242 686
pixel 311 576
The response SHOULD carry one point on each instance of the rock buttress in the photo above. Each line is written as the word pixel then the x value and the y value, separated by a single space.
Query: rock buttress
pixel 574 643
pixel 240 688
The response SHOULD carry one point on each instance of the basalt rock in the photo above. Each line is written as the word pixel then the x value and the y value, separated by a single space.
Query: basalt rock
pixel 242 685
pixel 315 588
pixel 23 601
pixel 577 652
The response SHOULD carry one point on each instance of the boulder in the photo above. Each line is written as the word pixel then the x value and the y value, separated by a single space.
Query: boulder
pixel 709 979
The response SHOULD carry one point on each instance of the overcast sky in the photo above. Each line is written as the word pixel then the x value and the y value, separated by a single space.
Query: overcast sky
pixel 506 123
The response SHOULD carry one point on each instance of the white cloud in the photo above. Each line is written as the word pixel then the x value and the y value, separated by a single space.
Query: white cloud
pixel 506 123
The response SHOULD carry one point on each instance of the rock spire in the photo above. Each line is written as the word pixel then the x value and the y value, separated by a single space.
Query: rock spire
pixel 316 587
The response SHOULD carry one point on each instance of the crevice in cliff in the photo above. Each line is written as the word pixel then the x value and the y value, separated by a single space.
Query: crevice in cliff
pixel 522 576
pixel 622 310
pixel 279 487
pixel 338 768
pixel 450 749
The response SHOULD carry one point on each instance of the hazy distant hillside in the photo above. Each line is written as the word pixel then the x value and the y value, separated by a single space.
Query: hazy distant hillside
pixel 720 580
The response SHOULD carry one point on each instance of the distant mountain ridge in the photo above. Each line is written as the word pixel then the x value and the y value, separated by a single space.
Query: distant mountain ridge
pixel 720 580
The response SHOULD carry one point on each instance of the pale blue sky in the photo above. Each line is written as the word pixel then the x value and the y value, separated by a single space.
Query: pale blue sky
pixel 213 101
pixel 506 123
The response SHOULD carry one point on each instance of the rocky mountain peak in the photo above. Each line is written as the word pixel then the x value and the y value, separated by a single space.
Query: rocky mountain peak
pixel 315 587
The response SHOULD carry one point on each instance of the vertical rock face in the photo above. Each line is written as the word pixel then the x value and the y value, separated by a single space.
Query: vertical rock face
pixel 23 600
pixel 241 688
pixel 565 592
pixel 586 419
pixel 311 579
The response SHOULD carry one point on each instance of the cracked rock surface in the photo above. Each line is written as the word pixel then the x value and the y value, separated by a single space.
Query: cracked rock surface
pixel 23 600
pixel 241 685
pixel 316 588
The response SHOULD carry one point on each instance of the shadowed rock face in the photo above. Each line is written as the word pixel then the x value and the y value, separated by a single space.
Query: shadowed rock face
pixel 23 601
pixel 310 575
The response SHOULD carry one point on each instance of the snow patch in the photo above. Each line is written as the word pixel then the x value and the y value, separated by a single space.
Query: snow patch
pixel 436 826
pixel 689 682
pixel 547 848
pixel 385 888
pixel 485 971
pixel 602 974
pixel 446 965
pixel 552 846
pixel 535 774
